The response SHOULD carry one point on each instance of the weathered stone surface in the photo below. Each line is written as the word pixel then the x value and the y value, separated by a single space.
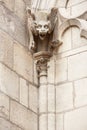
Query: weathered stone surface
pixel 61 70
pixel 83 41
pixel 64 97
pixel 43 99
pixel 67 41
pixel 6 49
pixel 59 121
pixel 80 92
pixel 35 75
pixel 51 98
pixel 77 41
pixel 28 2
pixel 75 2
pixel 9 82
pixel 51 71
pixel 22 116
pixel 43 4
pixel 51 122
pixel 23 92
pixel 77 65
pixel 20 10
pixel 82 7
pixel 9 4
pixel 4 105
pixel 23 62
pixel 6 125
pixel 60 3
pixel 73 52
pixel 12 25
pixel 33 98
pixel 43 122
pixel 76 119
pixel 65 12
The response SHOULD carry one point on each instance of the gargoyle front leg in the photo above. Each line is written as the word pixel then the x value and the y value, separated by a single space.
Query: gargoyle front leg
pixel 32 46
pixel 54 44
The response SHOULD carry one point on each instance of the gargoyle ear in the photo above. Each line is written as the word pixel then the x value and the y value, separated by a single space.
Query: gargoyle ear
pixel 35 23
pixel 29 13
pixel 28 10
pixel 54 10
pixel 49 24
pixel 52 13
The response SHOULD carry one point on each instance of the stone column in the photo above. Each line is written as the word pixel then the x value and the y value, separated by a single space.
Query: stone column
pixel 42 60
pixel 43 94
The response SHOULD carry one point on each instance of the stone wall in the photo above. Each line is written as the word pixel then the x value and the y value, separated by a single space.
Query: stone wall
pixel 67 75
pixel 18 83
pixel 66 89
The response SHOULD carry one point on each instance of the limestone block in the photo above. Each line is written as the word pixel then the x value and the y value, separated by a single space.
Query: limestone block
pixel 73 52
pixel 77 41
pixel 9 82
pixel 77 65
pixel 79 9
pixel 9 4
pixel 51 98
pixel 64 97
pixel 43 122
pixel 4 105
pixel 6 125
pixel 81 92
pixel 67 41
pixel 76 120
pixel 75 2
pixel 43 98
pixel 22 116
pixel 61 70
pixel 65 12
pixel 33 98
pixel 51 71
pixel 28 3
pixel 59 121
pixel 11 24
pixel 6 49
pixel 61 3
pixel 23 92
pixel 51 121
pixel 35 75
pixel 20 33
pixel 83 41
pixel 23 62
pixel 46 4
pixel 20 10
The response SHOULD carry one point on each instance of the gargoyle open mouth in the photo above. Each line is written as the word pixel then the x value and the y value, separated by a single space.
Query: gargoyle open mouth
pixel 42 36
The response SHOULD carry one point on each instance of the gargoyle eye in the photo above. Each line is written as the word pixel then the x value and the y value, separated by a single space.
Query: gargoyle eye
pixel 46 26
pixel 39 26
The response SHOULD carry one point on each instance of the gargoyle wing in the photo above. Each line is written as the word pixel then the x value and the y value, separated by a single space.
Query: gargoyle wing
pixel 52 17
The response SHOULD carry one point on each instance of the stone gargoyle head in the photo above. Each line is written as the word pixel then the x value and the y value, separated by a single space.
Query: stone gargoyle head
pixel 41 24
pixel 42 28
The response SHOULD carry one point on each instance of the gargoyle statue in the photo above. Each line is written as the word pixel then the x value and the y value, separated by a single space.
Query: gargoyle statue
pixel 42 29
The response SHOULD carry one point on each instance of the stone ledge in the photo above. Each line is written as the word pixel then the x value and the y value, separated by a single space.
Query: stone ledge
pixel 71 52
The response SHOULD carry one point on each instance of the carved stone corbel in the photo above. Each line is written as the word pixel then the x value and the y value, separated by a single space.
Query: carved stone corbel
pixel 43 36
pixel 42 59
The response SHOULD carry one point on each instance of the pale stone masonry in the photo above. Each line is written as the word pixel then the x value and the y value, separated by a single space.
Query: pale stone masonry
pixel 18 91
pixel 55 102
